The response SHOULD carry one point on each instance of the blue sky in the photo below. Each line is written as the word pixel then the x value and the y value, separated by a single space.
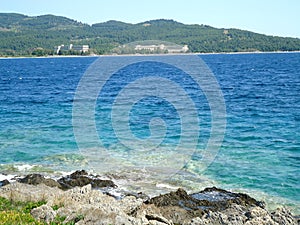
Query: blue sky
pixel 273 17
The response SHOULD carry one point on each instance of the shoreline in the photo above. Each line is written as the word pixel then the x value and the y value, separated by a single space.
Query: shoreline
pixel 167 54
pixel 135 181
pixel 95 198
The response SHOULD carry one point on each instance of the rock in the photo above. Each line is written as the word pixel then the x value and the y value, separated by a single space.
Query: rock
pixel 24 192
pixel 130 205
pixel 284 216
pixel 210 199
pixel 43 213
pixel 170 199
pixel 219 199
pixel 36 179
pixel 78 178
pixel 78 173
pixel 81 178
pixel 236 215
pixel 4 182
pixel 99 217
pixel 155 222
pixel 172 213
pixel 86 205
pixel 158 218
pixel 210 206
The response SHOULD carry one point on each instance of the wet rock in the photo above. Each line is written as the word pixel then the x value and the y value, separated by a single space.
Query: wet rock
pixel 210 199
pixel 35 179
pixel 4 182
pixel 81 178
pixel 205 202
pixel 177 206
pixel 76 179
pixel 170 199
pixel 139 195
pixel 219 199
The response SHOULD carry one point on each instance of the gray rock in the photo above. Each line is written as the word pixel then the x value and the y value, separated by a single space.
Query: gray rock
pixel 284 216
pixel 99 217
pixel 24 192
pixel 43 213
pixel 130 205
pixel 85 205
pixel 236 216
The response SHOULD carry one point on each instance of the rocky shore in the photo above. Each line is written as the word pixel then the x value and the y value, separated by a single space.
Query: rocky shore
pixel 82 198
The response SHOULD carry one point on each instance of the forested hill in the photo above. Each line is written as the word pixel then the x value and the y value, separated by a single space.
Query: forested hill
pixel 24 35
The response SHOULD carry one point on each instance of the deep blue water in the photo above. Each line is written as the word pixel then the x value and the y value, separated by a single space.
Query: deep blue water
pixel 261 148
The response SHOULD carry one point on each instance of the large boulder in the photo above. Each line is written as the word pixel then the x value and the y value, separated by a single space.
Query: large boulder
pixel 35 179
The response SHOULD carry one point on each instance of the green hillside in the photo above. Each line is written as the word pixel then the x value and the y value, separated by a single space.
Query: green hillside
pixel 24 35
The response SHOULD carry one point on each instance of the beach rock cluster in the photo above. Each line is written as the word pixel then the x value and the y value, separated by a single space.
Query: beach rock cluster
pixel 80 202
pixel 76 179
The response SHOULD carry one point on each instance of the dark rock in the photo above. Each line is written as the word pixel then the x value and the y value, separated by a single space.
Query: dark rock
pixel 4 182
pixel 179 198
pixel 177 206
pixel 140 195
pixel 35 179
pixel 158 218
pixel 221 199
pixel 79 173
pixel 78 178
pixel 197 204
pixel 81 178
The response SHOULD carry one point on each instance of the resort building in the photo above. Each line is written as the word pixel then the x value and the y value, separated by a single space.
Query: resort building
pixel 162 47
pixel 80 48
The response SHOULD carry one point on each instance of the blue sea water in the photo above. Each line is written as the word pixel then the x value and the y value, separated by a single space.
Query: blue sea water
pixel 260 152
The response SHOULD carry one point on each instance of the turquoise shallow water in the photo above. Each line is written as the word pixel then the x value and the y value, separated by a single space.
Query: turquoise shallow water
pixel 260 152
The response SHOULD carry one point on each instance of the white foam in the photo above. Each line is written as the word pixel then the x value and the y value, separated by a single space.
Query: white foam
pixel 167 186
pixel 8 177
pixel 24 167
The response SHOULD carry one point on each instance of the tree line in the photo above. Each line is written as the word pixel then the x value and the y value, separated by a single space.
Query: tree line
pixel 22 35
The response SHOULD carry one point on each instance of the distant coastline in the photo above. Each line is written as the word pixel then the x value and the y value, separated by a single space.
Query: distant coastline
pixel 23 35
pixel 161 54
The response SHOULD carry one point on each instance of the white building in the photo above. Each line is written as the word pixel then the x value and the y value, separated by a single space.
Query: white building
pixel 81 48
pixel 162 47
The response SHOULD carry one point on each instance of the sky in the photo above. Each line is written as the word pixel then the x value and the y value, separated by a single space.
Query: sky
pixel 272 17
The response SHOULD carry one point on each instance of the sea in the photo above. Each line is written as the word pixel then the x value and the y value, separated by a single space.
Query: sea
pixel 156 123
